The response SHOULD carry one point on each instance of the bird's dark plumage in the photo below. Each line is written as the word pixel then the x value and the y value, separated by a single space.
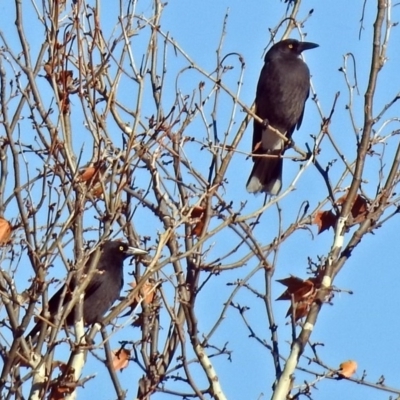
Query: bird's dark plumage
pixel 282 91
pixel 103 289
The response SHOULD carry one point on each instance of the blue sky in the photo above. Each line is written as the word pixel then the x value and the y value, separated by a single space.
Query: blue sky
pixel 362 326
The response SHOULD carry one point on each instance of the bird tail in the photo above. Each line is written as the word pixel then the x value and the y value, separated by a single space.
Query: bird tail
pixel 266 175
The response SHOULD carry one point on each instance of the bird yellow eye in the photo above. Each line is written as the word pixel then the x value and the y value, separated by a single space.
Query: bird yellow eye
pixel 290 46
pixel 121 248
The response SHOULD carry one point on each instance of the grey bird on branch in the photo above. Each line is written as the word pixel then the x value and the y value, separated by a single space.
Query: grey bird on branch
pixel 282 90
pixel 103 289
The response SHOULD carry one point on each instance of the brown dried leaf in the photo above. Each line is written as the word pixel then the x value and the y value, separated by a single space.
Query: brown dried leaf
pixel 97 190
pixel 301 292
pixel 120 359
pixel 301 310
pixel 359 209
pixel 325 220
pixel 198 212
pixel 65 384
pixel 58 393
pixel 147 291
pixel 347 369
pixel 198 228
pixel 93 173
pixel 86 174
pixel 305 292
pixel 292 282
pixel 5 231
pixel 65 78
pixel 297 288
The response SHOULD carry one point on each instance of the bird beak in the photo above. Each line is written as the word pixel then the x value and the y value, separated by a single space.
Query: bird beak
pixel 307 46
pixel 133 251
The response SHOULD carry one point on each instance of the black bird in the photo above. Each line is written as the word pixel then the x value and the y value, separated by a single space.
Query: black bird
pixel 103 289
pixel 282 90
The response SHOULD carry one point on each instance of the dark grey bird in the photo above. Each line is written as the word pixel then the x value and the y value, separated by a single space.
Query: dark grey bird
pixel 282 91
pixel 103 289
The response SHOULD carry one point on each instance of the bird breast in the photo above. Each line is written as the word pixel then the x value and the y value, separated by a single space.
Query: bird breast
pixel 282 91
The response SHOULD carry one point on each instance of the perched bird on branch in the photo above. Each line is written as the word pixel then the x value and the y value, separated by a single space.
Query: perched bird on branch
pixel 282 90
pixel 103 289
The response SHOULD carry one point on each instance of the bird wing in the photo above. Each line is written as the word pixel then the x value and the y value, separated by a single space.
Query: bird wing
pixel 101 293
pixel 268 106
pixel 54 303
pixel 282 91
pixel 96 282
pixel 105 284
pixel 302 113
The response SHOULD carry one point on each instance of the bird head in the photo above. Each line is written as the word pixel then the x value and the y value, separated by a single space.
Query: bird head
pixel 121 250
pixel 289 47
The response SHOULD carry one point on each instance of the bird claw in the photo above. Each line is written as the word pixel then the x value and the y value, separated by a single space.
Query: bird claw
pixel 289 144
pixel 265 123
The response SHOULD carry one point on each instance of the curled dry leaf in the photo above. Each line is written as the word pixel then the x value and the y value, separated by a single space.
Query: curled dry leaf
pixel 86 174
pixel 97 190
pixel 65 384
pixel 93 173
pixel 65 78
pixel 147 291
pixel 327 219
pixel 359 209
pixel 297 288
pixel 5 231
pixel 199 214
pixel 146 296
pixel 300 310
pixel 324 220
pixel 301 292
pixel 59 392
pixel 120 359
pixel 347 369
